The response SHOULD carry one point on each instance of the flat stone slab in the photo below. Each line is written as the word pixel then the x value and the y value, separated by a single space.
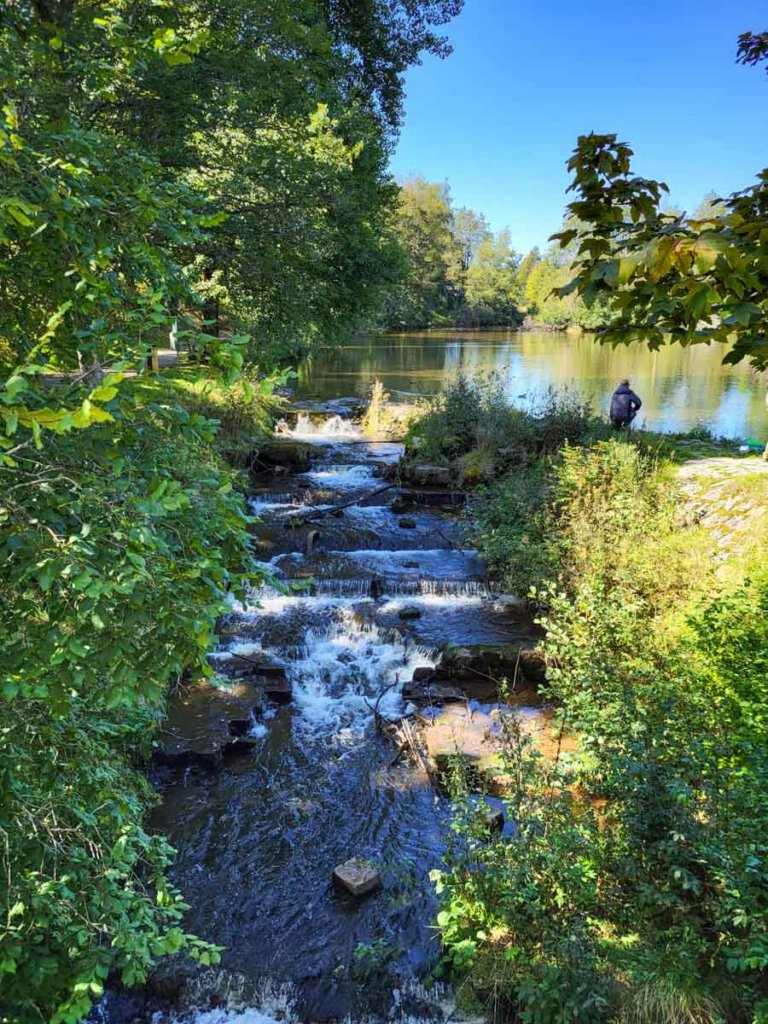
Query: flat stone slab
pixel 278 690
pixel 358 877
pixel 475 736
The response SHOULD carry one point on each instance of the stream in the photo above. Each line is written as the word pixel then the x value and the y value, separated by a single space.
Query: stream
pixel 309 783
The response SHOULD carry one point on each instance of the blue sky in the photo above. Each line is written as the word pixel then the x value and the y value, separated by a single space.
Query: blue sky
pixel 500 116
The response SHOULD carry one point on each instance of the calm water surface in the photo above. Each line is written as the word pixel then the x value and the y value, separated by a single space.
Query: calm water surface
pixel 681 388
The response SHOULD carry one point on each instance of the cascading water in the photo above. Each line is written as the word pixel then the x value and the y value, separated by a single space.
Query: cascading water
pixel 257 841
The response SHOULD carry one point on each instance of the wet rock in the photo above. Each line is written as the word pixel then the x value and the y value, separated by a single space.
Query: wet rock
pixel 312 538
pixel 243 745
pixel 240 726
pixel 486 661
pixel 409 612
pixel 283 453
pixel 279 690
pixel 411 565
pixel 179 756
pixel 358 877
pixel 427 474
pixel 432 693
pixel 423 674
pixel 253 670
pixel 407 523
pixel 407 500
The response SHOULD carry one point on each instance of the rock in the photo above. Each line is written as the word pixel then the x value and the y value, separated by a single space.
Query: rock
pixel 240 726
pixel 283 453
pixel 243 745
pixel 409 612
pixel 432 693
pixel 178 756
pixel 253 670
pixel 279 690
pixel 411 565
pixel 407 500
pixel 407 523
pixel 312 538
pixel 409 709
pixel 423 674
pixel 358 877
pixel 426 474
pixel 485 661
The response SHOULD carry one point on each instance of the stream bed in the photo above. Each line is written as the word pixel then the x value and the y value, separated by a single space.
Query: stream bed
pixel 305 780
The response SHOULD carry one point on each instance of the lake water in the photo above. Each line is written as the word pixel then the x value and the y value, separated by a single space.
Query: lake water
pixel 681 388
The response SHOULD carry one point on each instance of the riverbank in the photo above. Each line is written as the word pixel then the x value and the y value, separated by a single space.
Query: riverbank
pixel 391 660
pixel 630 880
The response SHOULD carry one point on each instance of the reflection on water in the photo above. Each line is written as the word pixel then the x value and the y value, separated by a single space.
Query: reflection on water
pixel 681 388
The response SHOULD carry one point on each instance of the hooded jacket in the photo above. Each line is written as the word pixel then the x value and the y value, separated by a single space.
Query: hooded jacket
pixel 624 404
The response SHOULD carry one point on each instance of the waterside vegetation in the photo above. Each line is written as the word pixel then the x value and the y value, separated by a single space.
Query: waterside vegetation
pixel 634 887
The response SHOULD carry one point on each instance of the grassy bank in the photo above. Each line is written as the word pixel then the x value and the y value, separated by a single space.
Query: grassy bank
pixel 635 889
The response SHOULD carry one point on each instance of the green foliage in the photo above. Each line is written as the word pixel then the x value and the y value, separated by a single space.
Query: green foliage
pixel 540 284
pixel 84 883
pixel 285 127
pixel 456 270
pixel 668 278
pixel 471 423
pixel 117 547
pixel 635 889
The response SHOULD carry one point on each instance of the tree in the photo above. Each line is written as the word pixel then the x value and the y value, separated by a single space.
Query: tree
pixel 457 271
pixel 423 226
pixel 489 285
pixel 470 230
pixel 527 265
pixel 670 278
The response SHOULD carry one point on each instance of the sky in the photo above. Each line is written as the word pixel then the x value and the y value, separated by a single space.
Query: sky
pixel 500 116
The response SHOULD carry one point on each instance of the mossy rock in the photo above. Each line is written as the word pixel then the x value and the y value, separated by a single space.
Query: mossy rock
pixel 285 452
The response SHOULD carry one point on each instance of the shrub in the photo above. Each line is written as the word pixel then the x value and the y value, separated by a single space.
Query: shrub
pixel 643 895
pixel 471 423
pixel 117 548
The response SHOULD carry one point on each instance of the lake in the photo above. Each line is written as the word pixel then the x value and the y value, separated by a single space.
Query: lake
pixel 681 388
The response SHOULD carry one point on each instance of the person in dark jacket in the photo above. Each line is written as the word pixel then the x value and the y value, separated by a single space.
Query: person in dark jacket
pixel 624 405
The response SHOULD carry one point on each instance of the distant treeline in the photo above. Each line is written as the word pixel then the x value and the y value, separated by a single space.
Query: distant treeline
pixel 456 271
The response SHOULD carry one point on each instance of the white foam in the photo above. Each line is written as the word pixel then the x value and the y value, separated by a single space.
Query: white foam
pixel 341 476
pixel 444 601
pixel 333 428
pixel 347 668
pixel 249 1016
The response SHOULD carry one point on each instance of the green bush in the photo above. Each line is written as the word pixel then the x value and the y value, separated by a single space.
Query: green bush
pixel 117 547
pixel 636 888
pixel 471 424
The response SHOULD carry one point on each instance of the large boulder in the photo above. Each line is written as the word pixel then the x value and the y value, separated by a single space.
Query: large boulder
pixel 432 693
pixel 511 662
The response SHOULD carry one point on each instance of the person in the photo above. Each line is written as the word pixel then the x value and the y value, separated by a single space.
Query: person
pixel 624 405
